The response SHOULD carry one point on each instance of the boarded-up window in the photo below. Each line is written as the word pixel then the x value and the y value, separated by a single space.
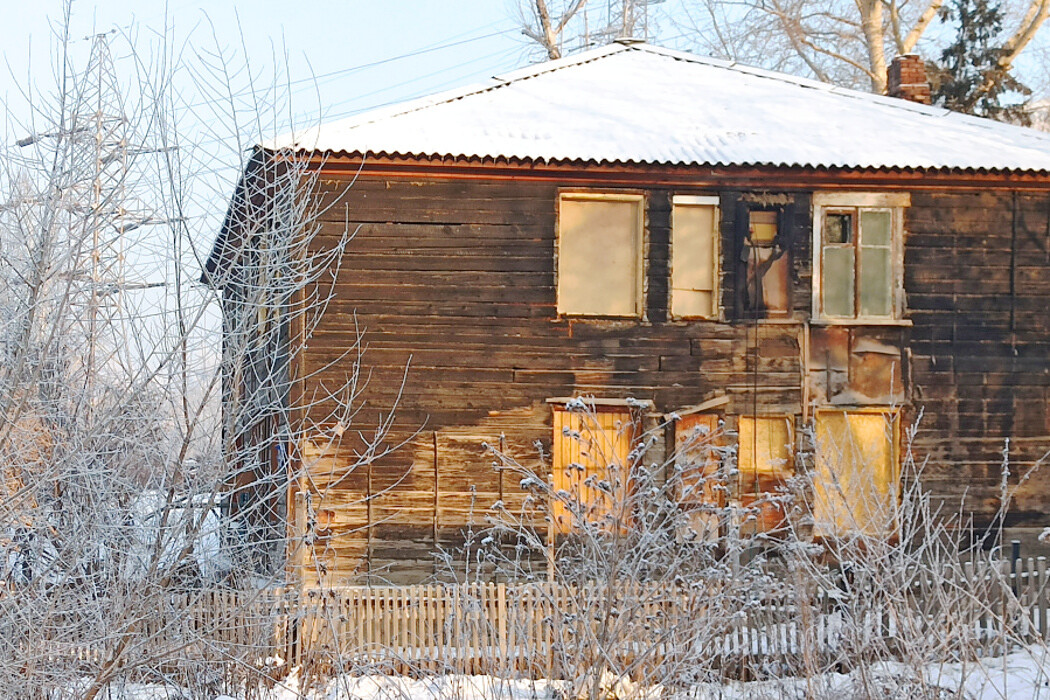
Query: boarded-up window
pixel 591 468
pixel 600 254
pixel 701 487
pixel 694 257
pixel 855 484
pixel 768 265
pixel 858 274
pixel 765 462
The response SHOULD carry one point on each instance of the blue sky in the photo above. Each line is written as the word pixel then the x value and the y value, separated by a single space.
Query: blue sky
pixel 342 57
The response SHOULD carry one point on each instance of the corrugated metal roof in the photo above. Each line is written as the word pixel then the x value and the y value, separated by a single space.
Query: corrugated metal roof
pixel 642 104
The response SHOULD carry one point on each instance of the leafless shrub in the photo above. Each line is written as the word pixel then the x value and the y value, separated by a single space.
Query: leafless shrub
pixel 143 533
pixel 654 591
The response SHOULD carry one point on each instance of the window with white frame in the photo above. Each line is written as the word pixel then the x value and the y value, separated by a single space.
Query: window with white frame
pixel 600 262
pixel 694 257
pixel 857 255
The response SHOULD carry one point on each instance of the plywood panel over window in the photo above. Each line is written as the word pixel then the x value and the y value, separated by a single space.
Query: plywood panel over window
pixel 694 257
pixel 600 254
pixel 701 484
pixel 591 468
pixel 765 461
pixel 855 485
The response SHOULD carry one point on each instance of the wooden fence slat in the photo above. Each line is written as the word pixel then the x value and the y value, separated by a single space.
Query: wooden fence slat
pixel 549 630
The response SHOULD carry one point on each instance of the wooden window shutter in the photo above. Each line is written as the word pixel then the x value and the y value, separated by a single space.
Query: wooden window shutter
pixel 591 466
pixel 765 460
pixel 701 488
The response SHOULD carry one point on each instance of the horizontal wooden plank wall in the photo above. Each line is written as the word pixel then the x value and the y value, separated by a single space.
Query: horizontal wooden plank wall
pixel 977 274
pixel 455 281
pixel 453 285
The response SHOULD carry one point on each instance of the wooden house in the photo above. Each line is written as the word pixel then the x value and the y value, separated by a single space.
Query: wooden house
pixel 677 237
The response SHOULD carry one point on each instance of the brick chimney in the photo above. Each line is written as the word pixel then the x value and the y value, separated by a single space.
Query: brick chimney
pixel 906 79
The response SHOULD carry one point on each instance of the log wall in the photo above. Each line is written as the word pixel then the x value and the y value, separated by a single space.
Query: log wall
pixel 452 284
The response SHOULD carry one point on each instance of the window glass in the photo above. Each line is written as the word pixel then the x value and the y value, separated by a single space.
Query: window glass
pixel 838 281
pixel 590 454
pixel 875 228
pixel 855 480
pixel 858 276
pixel 599 255
pixel 694 260
pixel 876 263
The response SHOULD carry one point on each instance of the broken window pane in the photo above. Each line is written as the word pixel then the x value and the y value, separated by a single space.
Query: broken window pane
pixel 855 480
pixel 838 281
pixel 838 228
pixel 763 227
pixel 694 261
pixel 767 281
pixel 599 255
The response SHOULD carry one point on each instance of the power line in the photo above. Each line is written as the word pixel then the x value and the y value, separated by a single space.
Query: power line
pixel 419 52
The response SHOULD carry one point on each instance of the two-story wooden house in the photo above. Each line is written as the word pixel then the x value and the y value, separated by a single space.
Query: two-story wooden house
pixel 675 236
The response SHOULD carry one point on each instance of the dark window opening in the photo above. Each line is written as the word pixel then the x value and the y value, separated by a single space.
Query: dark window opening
pixel 766 259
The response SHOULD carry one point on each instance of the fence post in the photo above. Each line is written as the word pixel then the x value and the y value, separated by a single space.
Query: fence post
pixel 1040 600
pixel 1015 554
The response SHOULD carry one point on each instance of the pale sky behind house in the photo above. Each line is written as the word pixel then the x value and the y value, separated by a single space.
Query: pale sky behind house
pixel 341 58
pixel 337 59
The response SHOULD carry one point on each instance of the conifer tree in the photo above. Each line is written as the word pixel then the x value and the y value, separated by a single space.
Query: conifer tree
pixel 971 76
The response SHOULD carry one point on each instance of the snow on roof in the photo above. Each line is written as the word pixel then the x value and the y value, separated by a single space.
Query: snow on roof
pixel 637 103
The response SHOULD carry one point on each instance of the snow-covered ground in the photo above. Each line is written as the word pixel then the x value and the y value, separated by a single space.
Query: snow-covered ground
pixel 1022 675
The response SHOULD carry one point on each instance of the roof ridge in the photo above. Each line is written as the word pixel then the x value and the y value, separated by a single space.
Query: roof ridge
pixel 885 100
pixel 459 93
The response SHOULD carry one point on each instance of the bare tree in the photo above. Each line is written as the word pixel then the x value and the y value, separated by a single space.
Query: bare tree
pixel 846 43
pixel 660 574
pixel 576 24
pixel 545 29
pixel 127 502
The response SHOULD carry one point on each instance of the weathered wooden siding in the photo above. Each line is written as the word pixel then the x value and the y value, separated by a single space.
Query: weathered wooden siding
pixel 977 272
pixel 455 281
pixel 452 283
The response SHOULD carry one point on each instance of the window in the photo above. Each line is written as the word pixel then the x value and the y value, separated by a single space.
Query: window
pixel 694 257
pixel 856 472
pixel 701 488
pixel 765 461
pixel 590 455
pixel 857 255
pixel 764 234
pixel 600 265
